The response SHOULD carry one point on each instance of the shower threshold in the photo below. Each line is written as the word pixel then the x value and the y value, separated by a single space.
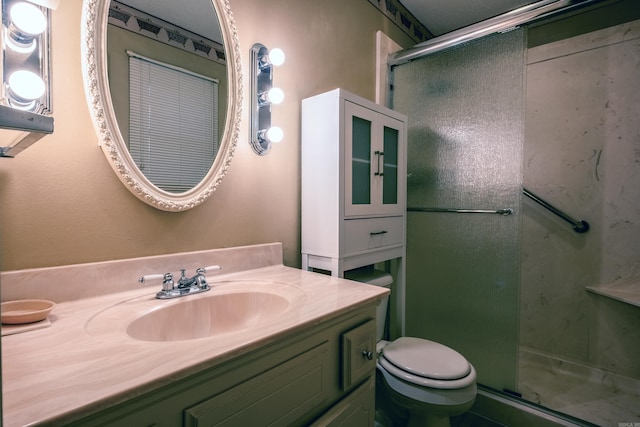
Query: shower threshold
pixel 588 393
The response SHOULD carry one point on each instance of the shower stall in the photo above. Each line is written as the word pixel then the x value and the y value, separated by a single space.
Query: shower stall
pixel 523 192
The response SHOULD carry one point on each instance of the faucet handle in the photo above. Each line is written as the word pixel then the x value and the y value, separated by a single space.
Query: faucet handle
pixel 202 270
pixel 167 280
pixel 149 277
pixel 208 269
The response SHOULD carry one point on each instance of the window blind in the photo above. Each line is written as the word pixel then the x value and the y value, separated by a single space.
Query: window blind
pixel 173 123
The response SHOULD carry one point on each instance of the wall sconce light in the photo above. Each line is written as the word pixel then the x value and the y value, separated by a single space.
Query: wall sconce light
pixel 25 94
pixel 263 96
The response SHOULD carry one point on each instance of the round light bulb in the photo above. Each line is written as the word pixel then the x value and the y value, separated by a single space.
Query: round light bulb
pixel 28 18
pixel 26 85
pixel 275 95
pixel 275 134
pixel 276 56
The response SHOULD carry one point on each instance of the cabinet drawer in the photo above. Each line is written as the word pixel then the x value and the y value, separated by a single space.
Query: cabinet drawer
pixel 358 354
pixel 279 396
pixel 371 233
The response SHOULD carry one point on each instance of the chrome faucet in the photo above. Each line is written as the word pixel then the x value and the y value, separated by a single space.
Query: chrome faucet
pixel 186 285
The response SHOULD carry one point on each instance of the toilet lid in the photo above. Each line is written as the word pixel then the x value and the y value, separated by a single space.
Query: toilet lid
pixel 426 358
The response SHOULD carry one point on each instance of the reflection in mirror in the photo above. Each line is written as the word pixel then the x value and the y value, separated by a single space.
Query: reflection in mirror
pixel 166 84
pixel 164 93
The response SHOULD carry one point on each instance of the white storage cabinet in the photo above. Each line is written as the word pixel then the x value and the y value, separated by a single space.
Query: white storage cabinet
pixel 353 182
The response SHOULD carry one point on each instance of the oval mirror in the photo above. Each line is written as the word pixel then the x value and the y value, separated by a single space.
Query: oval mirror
pixel 163 81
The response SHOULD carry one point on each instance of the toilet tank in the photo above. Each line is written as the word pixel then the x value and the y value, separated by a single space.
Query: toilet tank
pixel 377 278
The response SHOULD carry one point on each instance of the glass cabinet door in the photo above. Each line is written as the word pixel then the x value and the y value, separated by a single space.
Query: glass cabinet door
pixel 390 168
pixel 360 161
pixel 373 159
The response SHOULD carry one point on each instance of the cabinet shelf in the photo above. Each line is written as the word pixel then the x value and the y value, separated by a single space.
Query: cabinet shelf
pixel 624 292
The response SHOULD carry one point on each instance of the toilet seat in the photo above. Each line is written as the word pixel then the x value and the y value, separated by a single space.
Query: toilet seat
pixel 427 363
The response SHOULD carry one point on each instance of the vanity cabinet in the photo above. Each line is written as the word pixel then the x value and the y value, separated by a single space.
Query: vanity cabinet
pixel 353 182
pixel 293 381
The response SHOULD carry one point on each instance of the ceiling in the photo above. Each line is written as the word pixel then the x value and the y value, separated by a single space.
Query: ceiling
pixel 439 16
pixel 443 16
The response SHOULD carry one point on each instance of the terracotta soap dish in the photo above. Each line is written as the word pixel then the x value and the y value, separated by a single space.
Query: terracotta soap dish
pixel 20 312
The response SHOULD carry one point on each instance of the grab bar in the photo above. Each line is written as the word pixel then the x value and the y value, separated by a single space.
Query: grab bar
pixel 507 211
pixel 579 226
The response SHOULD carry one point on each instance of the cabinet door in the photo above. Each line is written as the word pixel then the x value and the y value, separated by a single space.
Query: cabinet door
pixel 279 396
pixel 374 162
pixel 391 167
pixel 358 354
pixel 357 409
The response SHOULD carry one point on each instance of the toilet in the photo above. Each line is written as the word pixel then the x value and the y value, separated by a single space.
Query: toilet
pixel 420 382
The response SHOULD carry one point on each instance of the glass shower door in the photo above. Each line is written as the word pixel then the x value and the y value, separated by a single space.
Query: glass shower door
pixel 465 144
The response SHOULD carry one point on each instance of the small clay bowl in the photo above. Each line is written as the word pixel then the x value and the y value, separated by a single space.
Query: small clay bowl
pixel 25 311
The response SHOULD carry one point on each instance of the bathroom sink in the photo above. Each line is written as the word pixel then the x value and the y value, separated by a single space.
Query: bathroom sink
pixel 208 316
pixel 229 307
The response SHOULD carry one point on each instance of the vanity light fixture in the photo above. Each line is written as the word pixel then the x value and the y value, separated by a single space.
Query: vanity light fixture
pixel 25 93
pixel 263 96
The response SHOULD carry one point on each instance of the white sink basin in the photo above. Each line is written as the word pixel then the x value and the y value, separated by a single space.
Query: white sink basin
pixel 228 307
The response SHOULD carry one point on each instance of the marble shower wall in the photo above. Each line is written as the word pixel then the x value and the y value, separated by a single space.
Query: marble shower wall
pixel 582 154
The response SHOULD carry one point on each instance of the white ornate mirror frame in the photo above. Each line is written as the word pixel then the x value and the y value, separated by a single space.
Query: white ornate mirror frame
pixel 94 67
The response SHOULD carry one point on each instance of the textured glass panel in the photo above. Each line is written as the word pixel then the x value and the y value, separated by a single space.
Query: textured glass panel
pixel 465 139
pixel 390 170
pixel 361 162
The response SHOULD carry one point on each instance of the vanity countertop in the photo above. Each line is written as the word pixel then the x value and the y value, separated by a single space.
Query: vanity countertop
pixel 63 372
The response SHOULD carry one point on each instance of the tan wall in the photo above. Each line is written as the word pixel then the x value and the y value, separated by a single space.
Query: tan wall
pixel 60 202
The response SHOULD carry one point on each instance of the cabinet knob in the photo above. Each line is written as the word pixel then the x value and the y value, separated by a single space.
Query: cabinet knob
pixel 367 354
pixel 378 233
